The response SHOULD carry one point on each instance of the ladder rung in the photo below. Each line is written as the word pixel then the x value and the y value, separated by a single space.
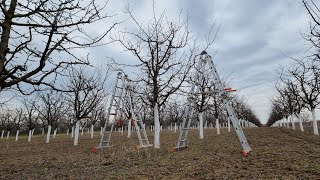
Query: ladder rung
pixel 105 141
pixel 147 145
pixel 113 114
pixel 105 146
pixel 119 87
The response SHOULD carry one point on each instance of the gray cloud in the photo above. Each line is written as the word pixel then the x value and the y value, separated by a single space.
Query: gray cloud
pixel 250 43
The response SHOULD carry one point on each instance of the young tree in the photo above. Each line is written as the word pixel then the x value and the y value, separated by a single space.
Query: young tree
pixel 52 106
pixel 307 76
pixel 85 93
pixel 31 115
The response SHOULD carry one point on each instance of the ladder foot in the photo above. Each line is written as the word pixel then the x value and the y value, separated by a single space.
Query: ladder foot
pixel 94 149
pixel 179 148
pixel 245 153
pixel 138 147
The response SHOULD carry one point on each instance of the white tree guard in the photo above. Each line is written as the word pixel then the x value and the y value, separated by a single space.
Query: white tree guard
pixel 72 131
pixel 300 122
pixel 229 125
pixel 8 134
pixel 17 135
pixel 129 128
pixel 314 119
pixel 156 127
pixel 292 123
pixel 218 126
pixel 76 134
pixel 175 127
pixel 42 133
pixel 29 136
pixel 91 132
pixel 54 133
pixel 48 134
pixel 2 134
pixel 67 132
pixel 200 125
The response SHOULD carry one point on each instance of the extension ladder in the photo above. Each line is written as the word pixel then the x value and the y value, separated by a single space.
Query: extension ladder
pixel 205 59
pixel 112 112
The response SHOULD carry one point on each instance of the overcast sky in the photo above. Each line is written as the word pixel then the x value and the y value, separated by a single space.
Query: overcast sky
pixel 251 42
pixel 253 38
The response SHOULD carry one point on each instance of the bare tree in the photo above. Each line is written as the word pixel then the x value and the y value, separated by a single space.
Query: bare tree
pixel 305 80
pixel 85 94
pixel 31 113
pixel 159 46
pixel 314 25
pixel 276 113
pixel 51 108
pixel 38 38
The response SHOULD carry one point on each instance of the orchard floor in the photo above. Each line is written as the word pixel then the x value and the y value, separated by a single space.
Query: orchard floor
pixel 278 153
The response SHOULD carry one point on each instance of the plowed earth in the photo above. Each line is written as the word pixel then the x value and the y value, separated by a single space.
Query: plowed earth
pixel 278 153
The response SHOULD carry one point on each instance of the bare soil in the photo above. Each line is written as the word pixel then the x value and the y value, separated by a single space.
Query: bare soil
pixel 278 153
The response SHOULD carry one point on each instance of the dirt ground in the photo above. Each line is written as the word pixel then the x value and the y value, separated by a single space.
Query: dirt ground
pixel 278 153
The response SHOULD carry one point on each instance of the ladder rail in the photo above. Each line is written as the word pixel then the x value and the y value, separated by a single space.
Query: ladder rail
pixel 111 105
pixel 187 111
pixel 228 106
pixel 137 122
pixel 206 59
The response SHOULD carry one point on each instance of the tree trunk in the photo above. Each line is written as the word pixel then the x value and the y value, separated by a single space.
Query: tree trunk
pixel 229 125
pixel 217 126
pixel 2 134
pixel 175 127
pixel 72 131
pixel 156 127
pixel 200 125
pixel 121 130
pixel 292 122
pixel 48 134
pixel 300 122
pixel 17 135
pixel 8 134
pixel 129 128
pixel 76 134
pixel 54 133
pixel 91 131
pixel 29 137
pixel 314 119
pixel 287 122
pixel 42 133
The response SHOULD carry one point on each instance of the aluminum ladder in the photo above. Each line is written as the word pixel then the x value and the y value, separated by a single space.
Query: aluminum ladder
pixel 112 111
pixel 206 59
pixel 138 123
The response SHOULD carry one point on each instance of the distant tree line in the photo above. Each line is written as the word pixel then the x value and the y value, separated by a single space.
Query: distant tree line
pixel 298 86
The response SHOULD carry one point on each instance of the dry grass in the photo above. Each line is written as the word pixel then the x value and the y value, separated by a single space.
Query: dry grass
pixel 278 153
